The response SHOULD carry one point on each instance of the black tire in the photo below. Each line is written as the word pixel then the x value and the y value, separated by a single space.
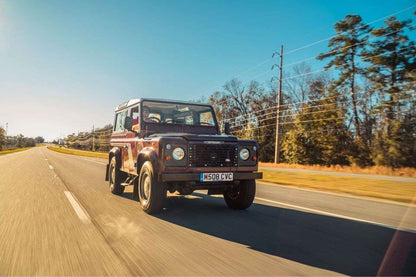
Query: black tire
pixel 152 194
pixel 116 177
pixel 242 196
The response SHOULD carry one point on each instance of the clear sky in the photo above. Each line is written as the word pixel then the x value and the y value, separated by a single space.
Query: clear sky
pixel 65 65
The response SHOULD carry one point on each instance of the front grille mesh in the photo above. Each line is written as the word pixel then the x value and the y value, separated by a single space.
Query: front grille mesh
pixel 212 155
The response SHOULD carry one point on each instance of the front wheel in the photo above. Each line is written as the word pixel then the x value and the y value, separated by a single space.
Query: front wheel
pixel 242 196
pixel 152 194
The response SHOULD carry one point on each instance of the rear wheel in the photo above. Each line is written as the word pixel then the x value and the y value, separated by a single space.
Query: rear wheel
pixel 242 196
pixel 152 194
pixel 116 177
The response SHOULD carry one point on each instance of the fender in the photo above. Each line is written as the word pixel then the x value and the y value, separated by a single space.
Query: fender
pixel 147 154
pixel 113 152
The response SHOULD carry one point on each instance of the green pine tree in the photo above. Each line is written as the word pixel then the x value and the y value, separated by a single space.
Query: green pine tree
pixel 345 47
pixel 391 56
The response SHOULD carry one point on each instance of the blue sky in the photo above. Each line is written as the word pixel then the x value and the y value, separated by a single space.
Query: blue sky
pixel 65 65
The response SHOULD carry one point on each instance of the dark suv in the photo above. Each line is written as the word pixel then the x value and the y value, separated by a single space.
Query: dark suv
pixel 160 146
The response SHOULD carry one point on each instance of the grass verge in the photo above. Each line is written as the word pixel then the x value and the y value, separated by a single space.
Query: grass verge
pixel 385 189
pixel 14 150
pixel 78 152
pixel 375 170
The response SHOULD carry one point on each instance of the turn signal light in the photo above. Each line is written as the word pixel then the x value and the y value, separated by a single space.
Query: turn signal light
pixel 254 158
pixel 168 158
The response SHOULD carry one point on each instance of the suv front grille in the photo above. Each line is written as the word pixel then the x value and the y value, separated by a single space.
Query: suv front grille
pixel 212 155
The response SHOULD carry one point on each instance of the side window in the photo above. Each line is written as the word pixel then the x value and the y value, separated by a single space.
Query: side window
pixel 206 119
pixel 135 115
pixel 119 124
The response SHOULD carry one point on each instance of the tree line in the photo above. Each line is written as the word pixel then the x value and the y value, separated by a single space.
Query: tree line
pixel 362 113
pixel 95 140
pixel 19 141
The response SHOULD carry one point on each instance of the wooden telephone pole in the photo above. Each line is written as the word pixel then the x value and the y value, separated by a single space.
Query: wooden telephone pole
pixel 279 101
pixel 93 138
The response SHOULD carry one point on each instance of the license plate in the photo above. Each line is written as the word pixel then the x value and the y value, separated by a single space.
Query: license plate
pixel 216 177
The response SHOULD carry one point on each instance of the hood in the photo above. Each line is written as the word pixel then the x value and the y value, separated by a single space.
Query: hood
pixel 195 137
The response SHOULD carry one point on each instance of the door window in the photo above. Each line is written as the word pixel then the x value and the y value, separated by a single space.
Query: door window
pixel 120 118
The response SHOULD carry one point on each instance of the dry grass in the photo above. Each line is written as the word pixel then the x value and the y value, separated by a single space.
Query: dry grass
pixel 14 150
pixel 79 152
pixel 391 190
pixel 377 170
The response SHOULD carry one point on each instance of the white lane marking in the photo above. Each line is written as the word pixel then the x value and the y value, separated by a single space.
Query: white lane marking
pixel 51 167
pixel 335 215
pixel 83 216
pixel 94 161
pixel 46 159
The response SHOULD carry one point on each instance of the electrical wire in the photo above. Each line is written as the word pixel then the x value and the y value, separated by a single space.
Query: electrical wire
pixel 365 25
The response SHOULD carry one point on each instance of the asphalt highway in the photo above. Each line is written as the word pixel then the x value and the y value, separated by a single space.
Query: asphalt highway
pixel 58 217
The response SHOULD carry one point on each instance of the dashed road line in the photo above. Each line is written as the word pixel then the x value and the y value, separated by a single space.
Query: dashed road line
pixel 317 211
pixel 51 167
pixel 82 214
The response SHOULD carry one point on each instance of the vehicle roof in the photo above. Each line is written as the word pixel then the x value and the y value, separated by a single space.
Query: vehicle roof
pixel 133 102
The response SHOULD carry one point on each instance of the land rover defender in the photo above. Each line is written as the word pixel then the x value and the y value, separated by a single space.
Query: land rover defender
pixel 160 146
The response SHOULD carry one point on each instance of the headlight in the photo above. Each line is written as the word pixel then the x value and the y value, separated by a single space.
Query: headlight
pixel 244 154
pixel 178 153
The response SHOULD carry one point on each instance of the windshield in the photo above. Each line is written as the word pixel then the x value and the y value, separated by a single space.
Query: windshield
pixel 173 113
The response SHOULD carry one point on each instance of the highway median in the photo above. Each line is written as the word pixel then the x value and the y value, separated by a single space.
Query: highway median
pixel 78 152
pixel 3 152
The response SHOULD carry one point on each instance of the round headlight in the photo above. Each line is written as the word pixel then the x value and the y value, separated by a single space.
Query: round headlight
pixel 244 154
pixel 178 153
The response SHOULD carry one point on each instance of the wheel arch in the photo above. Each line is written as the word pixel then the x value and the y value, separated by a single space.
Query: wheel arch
pixel 115 152
pixel 147 154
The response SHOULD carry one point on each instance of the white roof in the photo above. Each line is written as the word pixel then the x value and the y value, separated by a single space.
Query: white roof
pixel 138 100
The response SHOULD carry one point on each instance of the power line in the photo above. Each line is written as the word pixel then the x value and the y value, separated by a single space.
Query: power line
pixel 306 46
pixel 365 25
pixel 364 59
pixel 331 52
pixel 256 113
pixel 303 121
pixel 283 105
pixel 259 118
pixel 243 72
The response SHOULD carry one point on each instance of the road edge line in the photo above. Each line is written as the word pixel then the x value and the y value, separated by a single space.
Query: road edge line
pixel 317 211
pixel 341 194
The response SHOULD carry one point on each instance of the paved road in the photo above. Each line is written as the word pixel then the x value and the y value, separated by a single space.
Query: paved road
pixel 57 217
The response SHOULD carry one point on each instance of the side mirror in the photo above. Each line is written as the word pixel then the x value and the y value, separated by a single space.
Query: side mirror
pixel 128 123
pixel 227 128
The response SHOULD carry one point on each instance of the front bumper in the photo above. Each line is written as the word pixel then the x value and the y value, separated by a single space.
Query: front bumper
pixel 195 177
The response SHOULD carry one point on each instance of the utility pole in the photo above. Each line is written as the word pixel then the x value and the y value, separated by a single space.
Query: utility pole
pixel 93 139
pixel 7 127
pixel 279 102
